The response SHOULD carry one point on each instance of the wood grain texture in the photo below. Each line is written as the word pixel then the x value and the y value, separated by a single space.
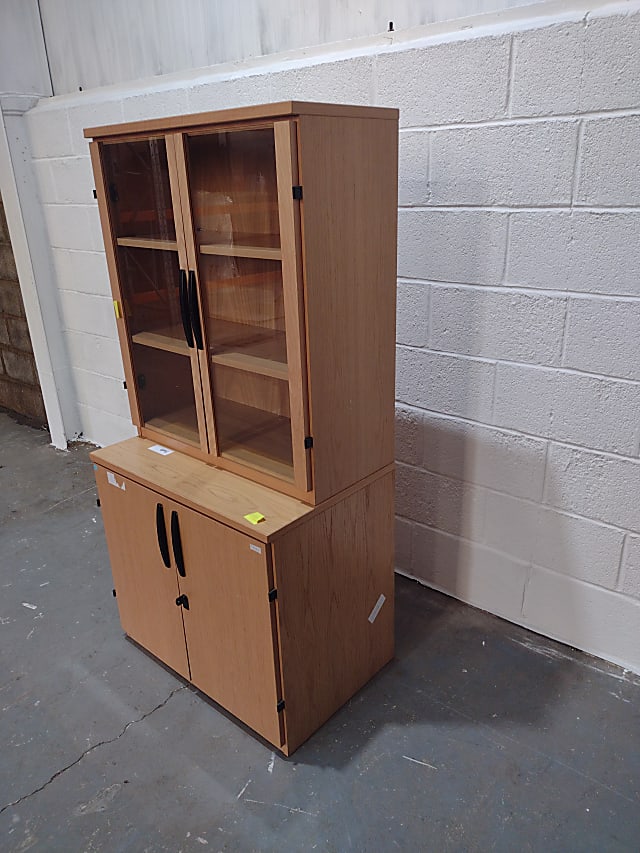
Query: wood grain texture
pixel 147 243
pixel 330 571
pixel 292 281
pixel 216 493
pixel 146 589
pixel 348 171
pixel 281 109
pixel 237 250
pixel 228 623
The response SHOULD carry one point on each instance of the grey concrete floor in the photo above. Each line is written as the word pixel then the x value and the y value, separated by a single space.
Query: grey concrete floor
pixel 479 736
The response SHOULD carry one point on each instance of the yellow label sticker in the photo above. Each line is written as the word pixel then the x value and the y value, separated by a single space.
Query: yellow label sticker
pixel 255 517
pixel 116 308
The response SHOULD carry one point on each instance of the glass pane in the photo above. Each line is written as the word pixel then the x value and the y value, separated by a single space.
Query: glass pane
pixel 165 392
pixel 244 307
pixel 244 316
pixel 138 190
pixel 233 185
pixel 149 283
pixel 253 420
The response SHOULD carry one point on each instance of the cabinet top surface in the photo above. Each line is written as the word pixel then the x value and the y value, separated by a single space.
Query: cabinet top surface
pixel 218 494
pixel 281 109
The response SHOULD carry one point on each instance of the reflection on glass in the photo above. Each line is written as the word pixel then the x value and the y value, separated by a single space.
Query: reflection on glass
pixel 244 316
pixel 233 185
pixel 165 392
pixel 253 419
pixel 138 190
pixel 149 282
pixel 244 310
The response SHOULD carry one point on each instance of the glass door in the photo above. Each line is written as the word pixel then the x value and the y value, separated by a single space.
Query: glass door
pixel 152 272
pixel 249 290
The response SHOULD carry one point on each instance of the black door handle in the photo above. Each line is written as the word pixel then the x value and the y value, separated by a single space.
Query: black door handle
pixel 184 308
pixel 195 311
pixel 183 601
pixel 161 532
pixel 176 542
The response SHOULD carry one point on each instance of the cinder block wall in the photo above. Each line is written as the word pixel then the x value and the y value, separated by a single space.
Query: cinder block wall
pixel 19 385
pixel 518 367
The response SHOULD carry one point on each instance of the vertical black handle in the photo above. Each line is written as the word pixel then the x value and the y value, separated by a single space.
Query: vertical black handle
pixel 161 532
pixel 195 311
pixel 184 308
pixel 176 542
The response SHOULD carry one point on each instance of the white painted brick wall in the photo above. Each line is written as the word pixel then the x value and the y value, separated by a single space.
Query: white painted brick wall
pixel 553 539
pixel 412 315
pixel 449 245
pixel 497 324
pixel 446 83
pixel 520 165
pixel 602 336
pixel 583 615
pixel 586 410
pixel 444 383
pixel 518 366
pixel 595 485
pixel 612 180
pixel 587 252
pixel 631 567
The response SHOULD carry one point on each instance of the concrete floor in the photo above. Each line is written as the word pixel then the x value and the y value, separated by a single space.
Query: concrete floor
pixel 479 736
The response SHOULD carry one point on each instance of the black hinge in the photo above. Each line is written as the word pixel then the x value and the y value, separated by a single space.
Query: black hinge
pixel 182 601
pixel 273 594
pixel 308 442
pixel 297 193
pixel 124 384
pixel 114 593
pixel 97 501
pixel 280 706
pixel 95 194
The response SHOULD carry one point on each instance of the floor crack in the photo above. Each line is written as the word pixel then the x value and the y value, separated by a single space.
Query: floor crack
pixel 92 748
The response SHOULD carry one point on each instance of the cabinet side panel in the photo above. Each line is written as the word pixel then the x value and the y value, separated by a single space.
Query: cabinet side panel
pixel 348 172
pixel 146 590
pixel 330 573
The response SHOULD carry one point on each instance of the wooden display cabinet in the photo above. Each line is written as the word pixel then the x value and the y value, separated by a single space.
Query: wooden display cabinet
pixel 252 257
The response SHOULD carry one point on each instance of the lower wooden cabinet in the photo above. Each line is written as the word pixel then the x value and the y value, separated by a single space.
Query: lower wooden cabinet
pixel 280 622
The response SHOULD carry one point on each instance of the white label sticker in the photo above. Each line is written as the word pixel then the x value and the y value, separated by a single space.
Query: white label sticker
pixel 158 448
pixel 376 609
pixel 111 478
pixel 255 548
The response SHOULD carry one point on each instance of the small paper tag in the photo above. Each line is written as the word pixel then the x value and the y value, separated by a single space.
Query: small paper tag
pixel 158 448
pixel 255 548
pixel 376 609
pixel 255 517
pixel 111 478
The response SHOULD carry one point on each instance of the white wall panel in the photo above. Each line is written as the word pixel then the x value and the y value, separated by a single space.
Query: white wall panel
pixel 98 44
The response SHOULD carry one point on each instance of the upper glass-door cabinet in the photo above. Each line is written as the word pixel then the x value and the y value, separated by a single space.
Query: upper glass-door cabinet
pixel 147 250
pixel 249 295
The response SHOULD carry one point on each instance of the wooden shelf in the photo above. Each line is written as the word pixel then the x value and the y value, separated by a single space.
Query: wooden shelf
pixel 252 364
pixel 227 334
pixel 236 251
pixel 182 424
pixel 259 439
pixel 163 339
pixel 148 243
